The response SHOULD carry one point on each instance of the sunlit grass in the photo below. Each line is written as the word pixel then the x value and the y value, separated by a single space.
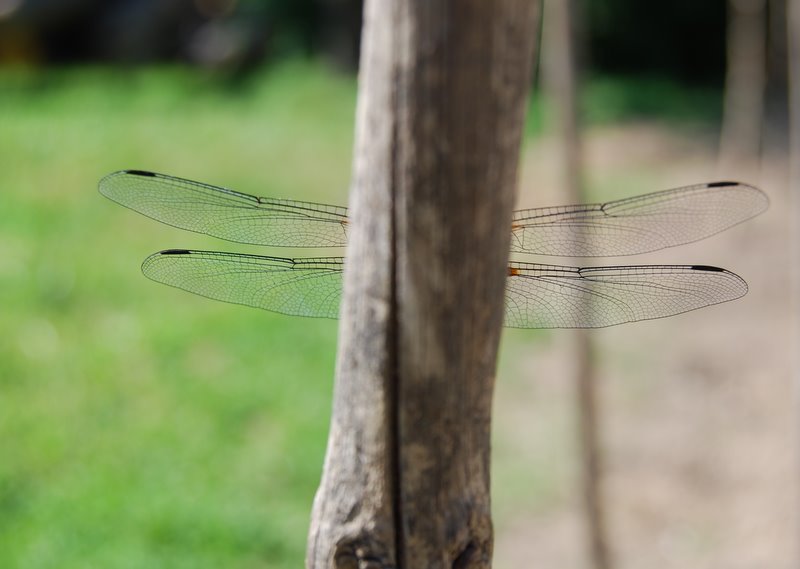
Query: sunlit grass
pixel 142 427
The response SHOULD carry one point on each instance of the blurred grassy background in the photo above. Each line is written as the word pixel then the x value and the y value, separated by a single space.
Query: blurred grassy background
pixel 141 426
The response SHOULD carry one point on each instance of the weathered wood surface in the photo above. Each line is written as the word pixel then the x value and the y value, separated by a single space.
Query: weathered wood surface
pixel 443 90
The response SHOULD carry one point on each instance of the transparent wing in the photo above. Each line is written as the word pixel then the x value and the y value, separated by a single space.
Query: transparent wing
pixel 302 287
pixel 636 225
pixel 623 227
pixel 227 214
pixel 549 296
pixel 537 296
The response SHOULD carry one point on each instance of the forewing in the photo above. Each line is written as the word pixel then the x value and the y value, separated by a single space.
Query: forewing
pixel 636 225
pixel 548 296
pixel 302 287
pixel 623 227
pixel 227 214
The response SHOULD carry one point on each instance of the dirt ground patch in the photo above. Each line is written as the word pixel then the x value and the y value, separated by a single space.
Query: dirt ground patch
pixel 699 411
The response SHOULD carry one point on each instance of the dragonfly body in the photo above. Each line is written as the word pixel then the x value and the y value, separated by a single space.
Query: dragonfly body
pixel 537 295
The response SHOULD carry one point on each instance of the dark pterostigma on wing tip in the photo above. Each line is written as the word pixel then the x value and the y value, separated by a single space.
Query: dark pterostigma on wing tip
pixel 707 268
pixel 144 173
pixel 175 252
pixel 724 184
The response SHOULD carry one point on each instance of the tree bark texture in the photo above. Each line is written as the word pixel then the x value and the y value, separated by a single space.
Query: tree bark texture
pixel 442 95
pixel 562 78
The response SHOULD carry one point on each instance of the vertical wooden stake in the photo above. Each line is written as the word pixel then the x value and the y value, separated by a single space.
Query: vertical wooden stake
pixel 443 91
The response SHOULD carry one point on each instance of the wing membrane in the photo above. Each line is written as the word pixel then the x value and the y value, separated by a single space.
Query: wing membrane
pixel 623 227
pixel 551 296
pixel 537 296
pixel 636 225
pixel 298 287
pixel 227 214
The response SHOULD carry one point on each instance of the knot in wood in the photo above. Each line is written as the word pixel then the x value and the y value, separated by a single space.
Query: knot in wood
pixel 361 553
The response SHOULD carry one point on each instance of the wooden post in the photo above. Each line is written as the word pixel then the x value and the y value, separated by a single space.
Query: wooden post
pixel 443 90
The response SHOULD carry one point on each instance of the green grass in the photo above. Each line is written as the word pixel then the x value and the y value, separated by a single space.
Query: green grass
pixel 140 426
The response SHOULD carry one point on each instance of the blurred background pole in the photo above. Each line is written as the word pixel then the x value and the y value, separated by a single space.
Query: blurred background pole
pixel 793 60
pixel 560 73
pixel 745 81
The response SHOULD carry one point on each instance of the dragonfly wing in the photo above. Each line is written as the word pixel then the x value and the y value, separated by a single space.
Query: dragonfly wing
pixel 227 214
pixel 636 225
pixel 302 287
pixel 548 296
pixel 537 296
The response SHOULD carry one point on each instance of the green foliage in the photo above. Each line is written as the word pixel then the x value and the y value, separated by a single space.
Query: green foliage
pixel 617 99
